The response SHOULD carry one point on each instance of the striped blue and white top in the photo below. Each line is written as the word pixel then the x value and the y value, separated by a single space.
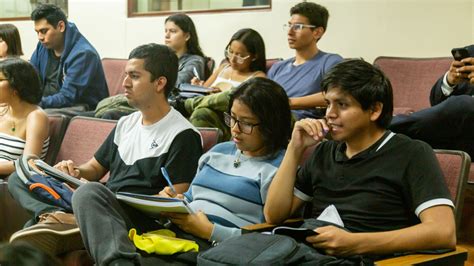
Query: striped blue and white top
pixel 11 147
pixel 231 196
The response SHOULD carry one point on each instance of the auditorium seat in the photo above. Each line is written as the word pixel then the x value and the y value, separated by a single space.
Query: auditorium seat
pixel 269 63
pixel 412 79
pixel 210 65
pixel 82 139
pixel 114 69
pixel 455 166
pixel 210 137
pixel 57 127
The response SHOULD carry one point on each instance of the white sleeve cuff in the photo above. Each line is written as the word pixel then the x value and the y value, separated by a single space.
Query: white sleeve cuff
pixel 445 88
pixel 431 203
pixel 302 196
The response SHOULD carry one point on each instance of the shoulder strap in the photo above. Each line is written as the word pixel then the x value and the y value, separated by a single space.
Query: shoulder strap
pixel 223 69
pixel 251 76
pixel 23 168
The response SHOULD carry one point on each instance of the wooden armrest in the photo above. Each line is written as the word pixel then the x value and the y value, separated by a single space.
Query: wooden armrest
pixel 453 258
pixel 294 222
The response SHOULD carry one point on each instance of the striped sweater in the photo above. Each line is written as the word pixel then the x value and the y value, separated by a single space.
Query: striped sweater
pixel 231 196
pixel 11 147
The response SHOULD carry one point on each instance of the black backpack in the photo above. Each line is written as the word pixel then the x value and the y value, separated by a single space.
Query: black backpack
pixel 264 249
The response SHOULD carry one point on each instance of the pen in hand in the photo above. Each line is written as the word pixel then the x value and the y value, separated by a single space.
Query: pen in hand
pixel 196 74
pixel 168 180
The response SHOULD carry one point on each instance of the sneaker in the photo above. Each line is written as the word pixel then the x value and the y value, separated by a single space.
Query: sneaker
pixel 55 233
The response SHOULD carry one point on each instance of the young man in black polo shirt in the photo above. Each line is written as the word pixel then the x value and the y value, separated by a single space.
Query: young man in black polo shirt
pixel 387 188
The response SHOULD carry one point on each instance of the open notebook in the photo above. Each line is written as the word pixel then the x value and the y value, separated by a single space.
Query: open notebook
pixel 153 205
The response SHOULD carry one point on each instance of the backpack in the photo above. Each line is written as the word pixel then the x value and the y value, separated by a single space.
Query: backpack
pixel 44 186
pixel 264 249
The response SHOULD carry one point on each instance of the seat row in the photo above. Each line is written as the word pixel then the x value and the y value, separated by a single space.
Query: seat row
pixel 114 72
pixel 80 137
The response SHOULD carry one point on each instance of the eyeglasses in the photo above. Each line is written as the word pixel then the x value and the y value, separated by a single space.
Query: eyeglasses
pixel 238 58
pixel 244 127
pixel 296 27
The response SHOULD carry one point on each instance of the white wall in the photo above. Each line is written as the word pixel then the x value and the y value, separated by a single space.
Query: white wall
pixel 357 28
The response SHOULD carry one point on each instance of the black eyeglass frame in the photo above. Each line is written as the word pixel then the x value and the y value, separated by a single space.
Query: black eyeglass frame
pixel 243 126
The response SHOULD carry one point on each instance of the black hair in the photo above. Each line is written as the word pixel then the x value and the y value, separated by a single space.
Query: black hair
pixel 160 61
pixel 9 34
pixel 52 13
pixel 23 254
pixel 269 102
pixel 23 78
pixel 366 83
pixel 185 23
pixel 317 15
pixel 254 44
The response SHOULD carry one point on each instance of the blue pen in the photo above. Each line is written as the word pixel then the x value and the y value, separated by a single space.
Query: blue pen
pixel 167 178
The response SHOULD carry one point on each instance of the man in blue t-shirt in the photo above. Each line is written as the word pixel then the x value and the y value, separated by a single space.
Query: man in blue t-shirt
pixel 301 75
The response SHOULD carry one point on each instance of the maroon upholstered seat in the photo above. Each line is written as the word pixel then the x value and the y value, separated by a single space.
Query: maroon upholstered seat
pixel 269 63
pixel 210 137
pixel 455 166
pixel 114 70
pixel 57 127
pixel 83 137
pixel 412 78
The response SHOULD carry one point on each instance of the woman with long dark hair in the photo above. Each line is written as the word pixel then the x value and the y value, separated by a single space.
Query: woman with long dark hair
pixel 10 42
pixel 181 36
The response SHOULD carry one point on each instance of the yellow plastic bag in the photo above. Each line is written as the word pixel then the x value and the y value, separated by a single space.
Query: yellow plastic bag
pixel 162 242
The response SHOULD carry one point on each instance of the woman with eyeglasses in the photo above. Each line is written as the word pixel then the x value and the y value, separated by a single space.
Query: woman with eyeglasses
pixel 10 42
pixel 230 187
pixel 245 59
pixel 24 126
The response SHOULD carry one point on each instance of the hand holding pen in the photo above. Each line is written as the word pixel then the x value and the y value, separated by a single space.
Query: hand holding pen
pixel 169 191
pixel 196 73
pixel 172 191
pixel 68 167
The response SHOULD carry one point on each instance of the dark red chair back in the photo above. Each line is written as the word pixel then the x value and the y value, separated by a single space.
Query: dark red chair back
pixel 210 137
pixel 455 166
pixel 114 70
pixel 412 78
